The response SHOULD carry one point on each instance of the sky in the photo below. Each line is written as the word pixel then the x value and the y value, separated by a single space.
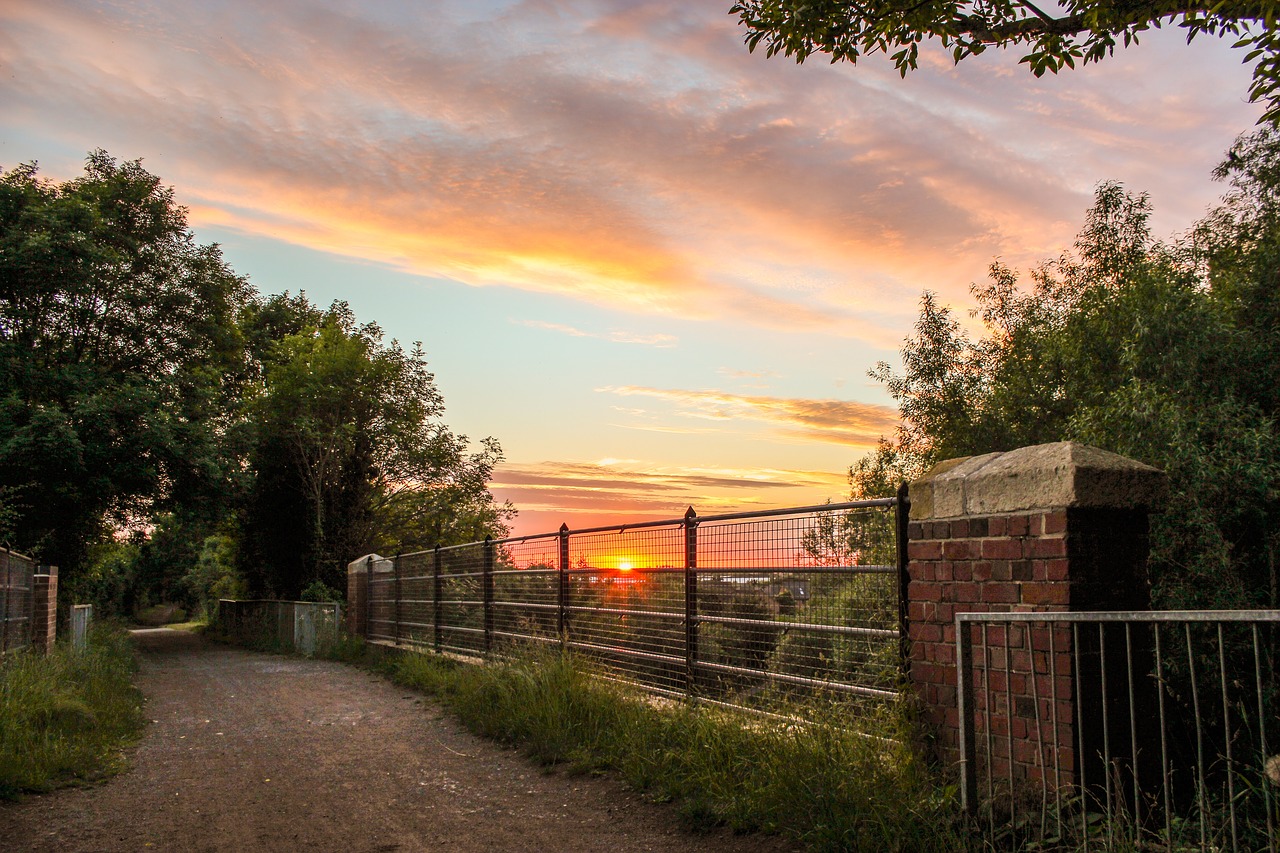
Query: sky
pixel 656 267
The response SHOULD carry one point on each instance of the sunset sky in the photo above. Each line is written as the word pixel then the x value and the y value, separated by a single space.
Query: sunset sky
pixel 656 267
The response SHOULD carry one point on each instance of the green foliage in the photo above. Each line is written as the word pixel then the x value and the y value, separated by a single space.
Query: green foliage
pixel 214 575
pixel 236 443
pixel 107 580
pixel 1163 353
pixel 64 717
pixel 350 453
pixel 117 336
pixel 320 592
pixel 1081 31
pixel 823 784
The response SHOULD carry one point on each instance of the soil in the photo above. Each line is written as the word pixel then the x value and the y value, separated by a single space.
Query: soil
pixel 248 752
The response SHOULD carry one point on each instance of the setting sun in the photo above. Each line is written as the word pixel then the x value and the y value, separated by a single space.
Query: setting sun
pixel 624 565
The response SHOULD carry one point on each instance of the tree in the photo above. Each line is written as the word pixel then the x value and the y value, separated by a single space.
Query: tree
pixel 1056 36
pixel 351 455
pixel 117 345
pixel 1161 352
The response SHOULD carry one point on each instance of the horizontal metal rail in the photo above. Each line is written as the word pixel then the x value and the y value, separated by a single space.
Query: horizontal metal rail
pixel 1127 616
pixel 786 678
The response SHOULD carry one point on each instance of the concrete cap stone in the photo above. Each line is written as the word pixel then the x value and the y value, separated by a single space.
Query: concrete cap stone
pixel 1062 475
pixel 380 564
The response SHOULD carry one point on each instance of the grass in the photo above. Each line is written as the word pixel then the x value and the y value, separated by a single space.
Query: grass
pixel 65 717
pixel 821 783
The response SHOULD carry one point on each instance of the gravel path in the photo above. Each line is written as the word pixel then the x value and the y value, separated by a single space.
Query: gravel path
pixel 252 752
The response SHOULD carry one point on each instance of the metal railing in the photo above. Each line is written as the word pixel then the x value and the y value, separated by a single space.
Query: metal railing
pixel 745 608
pixel 299 625
pixel 17 589
pixel 1143 730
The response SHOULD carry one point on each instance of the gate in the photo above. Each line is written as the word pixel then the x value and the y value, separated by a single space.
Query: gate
pixel 1143 730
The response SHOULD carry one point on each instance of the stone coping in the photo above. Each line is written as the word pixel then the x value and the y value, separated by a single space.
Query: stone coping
pixel 1063 475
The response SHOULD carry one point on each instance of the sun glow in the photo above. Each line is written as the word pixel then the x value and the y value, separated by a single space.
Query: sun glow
pixel 624 565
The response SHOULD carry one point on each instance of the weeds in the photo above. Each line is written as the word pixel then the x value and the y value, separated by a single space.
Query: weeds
pixel 64 717
pixel 821 783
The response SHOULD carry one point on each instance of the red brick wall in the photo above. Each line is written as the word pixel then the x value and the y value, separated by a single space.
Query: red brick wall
pixel 44 608
pixel 1058 560
pixel 358 599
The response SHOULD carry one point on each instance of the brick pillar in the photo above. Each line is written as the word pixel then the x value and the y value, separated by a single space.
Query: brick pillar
pixel 358 595
pixel 1056 527
pixel 44 608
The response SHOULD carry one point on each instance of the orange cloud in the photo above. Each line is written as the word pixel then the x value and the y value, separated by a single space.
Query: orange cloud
pixel 838 421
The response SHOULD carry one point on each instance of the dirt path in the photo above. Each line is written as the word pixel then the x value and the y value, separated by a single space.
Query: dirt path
pixel 255 752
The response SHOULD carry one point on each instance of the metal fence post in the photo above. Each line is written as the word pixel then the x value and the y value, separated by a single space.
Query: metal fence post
pixel 488 594
pixel 437 586
pixel 562 592
pixel 902 517
pixel 691 600
pixel 964 707
pixel 396 567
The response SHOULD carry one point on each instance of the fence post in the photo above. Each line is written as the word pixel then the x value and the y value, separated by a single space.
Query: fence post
pixel 368 599
pixel 691 600
pixel 437 586
pixel 902 522
pixel 964 707
pixel 1051 528
pixel 44 608
pixel 562 592
pixel 4 601
pixel 488 594
pixel 395 565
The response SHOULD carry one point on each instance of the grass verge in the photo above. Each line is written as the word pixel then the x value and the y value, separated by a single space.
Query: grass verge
pixel 822 783
pixel 65 717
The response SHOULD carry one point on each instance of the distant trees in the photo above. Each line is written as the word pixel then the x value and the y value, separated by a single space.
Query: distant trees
pixel 1167 353
pixel 148 394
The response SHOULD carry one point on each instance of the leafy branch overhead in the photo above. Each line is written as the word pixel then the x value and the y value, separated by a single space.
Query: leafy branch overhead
pixel 1056 35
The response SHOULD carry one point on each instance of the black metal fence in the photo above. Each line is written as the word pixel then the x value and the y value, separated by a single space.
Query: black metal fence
pixel 17 589
pixel 748 609
pixel 1134 730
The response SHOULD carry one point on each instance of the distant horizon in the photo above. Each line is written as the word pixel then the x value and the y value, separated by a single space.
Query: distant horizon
pixel 655 266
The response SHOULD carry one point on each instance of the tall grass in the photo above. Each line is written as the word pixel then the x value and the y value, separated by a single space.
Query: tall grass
pixel 64 717
pixel 822 783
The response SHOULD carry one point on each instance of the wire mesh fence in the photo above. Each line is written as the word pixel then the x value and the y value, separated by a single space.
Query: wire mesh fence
pixel 1134 731
pixel 17 590
pixel 752 609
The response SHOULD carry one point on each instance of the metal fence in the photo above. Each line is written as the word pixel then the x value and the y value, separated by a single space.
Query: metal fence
pixel 300 625
pixel 749 609
pixel 1148 730
pixel 17 588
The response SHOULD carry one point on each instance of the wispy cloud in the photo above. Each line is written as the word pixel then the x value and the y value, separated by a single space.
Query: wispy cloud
pixel 616 336
pixel 839 421
pixel 631 155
